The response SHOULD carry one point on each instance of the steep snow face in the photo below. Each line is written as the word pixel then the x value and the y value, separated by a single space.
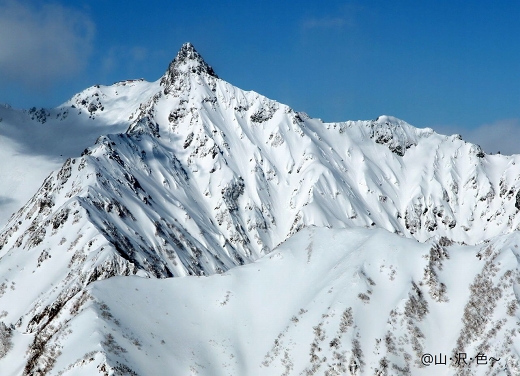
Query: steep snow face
pixel 326 302
pixel 382 173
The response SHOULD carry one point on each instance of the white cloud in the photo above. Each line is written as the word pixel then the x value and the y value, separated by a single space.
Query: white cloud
pixel 323 23
pixel 118 56
pixel 139 53
pixel 345 16
pixel 39 45
pixel 501 135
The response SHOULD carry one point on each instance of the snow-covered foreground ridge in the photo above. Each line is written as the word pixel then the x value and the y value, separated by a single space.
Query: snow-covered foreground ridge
pixel 208 177
pixel 326 302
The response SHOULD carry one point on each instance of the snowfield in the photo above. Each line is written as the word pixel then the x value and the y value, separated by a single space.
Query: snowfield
pixel 188 227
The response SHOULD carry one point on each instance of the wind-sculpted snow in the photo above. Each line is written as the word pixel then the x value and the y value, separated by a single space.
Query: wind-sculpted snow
pixel 208 177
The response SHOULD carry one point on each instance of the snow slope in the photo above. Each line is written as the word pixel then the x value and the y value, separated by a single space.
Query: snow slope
pixel 326 302
pixel 208 177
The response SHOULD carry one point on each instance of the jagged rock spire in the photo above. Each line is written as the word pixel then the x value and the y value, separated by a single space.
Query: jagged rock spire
pixel 175 81
pixel 188 60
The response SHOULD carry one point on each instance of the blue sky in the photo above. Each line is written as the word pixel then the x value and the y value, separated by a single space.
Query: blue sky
pixel 450 65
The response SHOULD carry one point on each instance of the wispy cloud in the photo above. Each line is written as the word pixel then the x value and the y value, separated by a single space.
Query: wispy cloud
pixel 344 17
pixel 118 56
pixel 324 23
pixel 501 135
pixel 139 53
pixel 39 45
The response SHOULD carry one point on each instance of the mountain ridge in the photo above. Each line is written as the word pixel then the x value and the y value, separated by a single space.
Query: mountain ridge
pixel 208 177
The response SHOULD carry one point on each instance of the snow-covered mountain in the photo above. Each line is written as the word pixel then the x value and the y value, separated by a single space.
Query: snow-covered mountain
pixel 208 177
pixel 36 142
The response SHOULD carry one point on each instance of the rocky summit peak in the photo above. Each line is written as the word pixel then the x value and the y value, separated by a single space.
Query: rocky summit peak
pixel 187 61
